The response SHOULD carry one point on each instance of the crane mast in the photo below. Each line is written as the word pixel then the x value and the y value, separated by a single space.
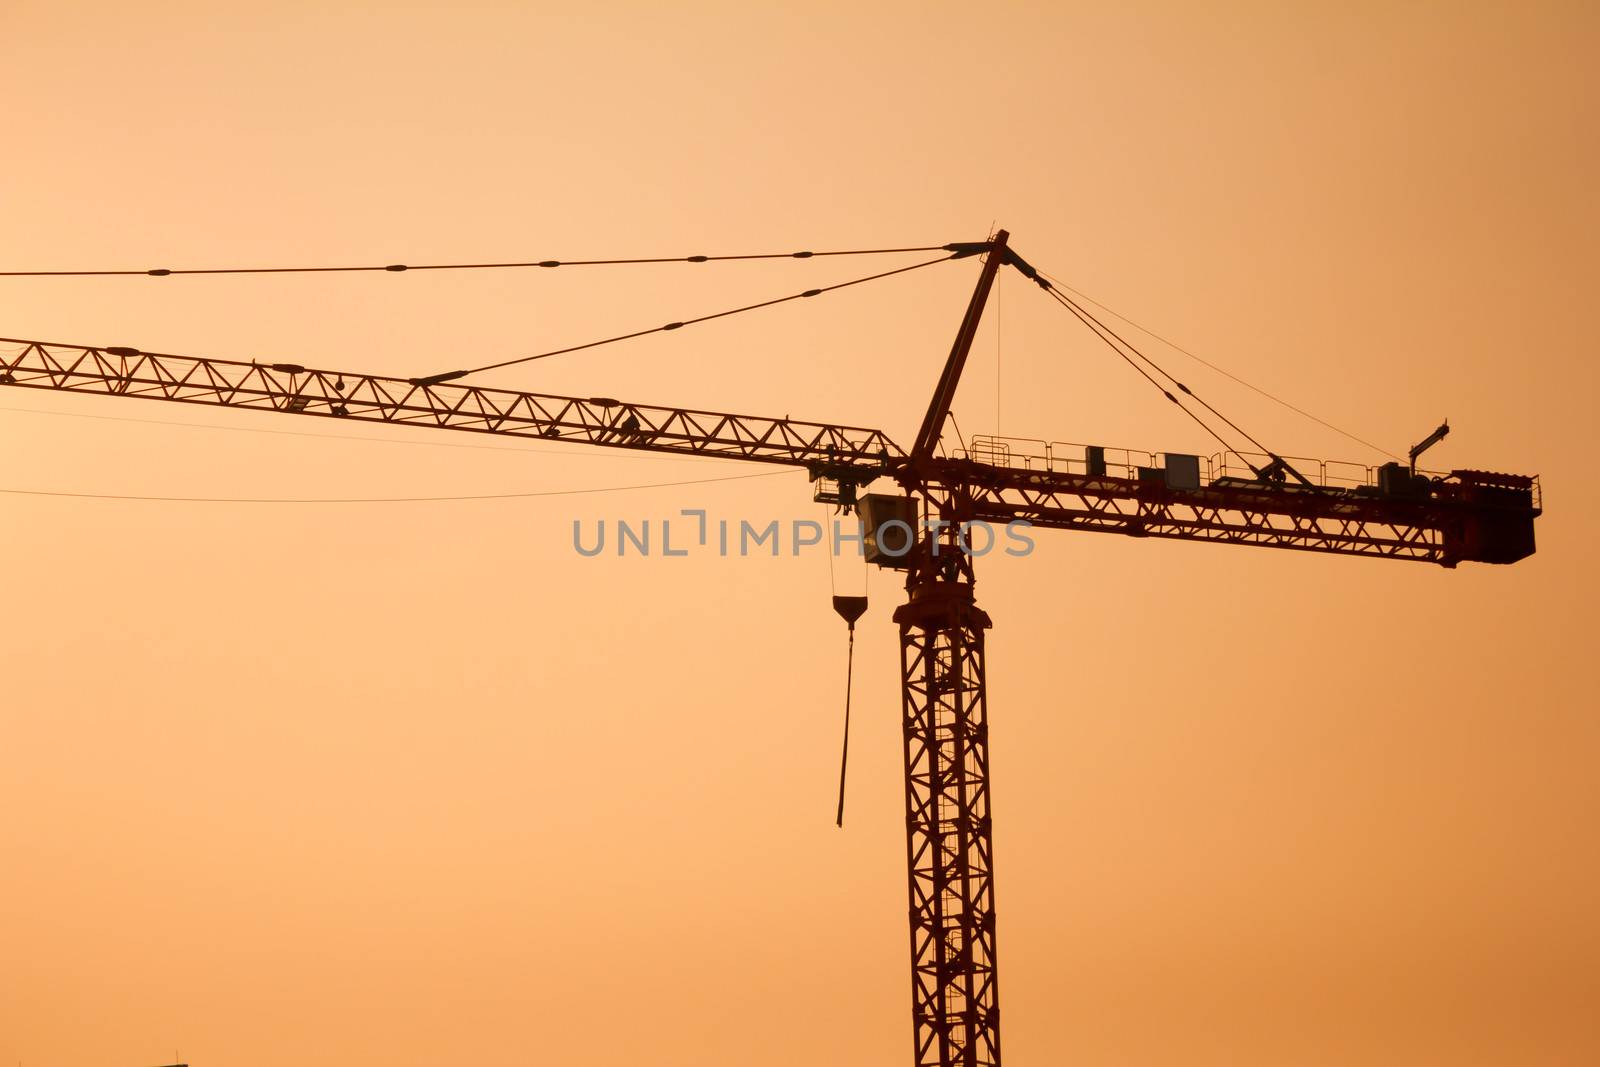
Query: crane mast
pixel 955 987
pixel 955 990
pixel 1394 512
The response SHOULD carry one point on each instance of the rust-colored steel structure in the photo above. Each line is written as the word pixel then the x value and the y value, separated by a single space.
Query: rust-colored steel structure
pixel 955 989
pixel 1392 513
pixel 293 389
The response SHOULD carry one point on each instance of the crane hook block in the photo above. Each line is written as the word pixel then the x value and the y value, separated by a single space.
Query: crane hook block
pixel 850 608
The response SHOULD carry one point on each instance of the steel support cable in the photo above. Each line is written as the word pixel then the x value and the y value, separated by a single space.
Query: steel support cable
pixel 1165 374
pixel 1064 302
pixel 436 379
pixel 162 272
pixel 1058 283
pixel 1277 467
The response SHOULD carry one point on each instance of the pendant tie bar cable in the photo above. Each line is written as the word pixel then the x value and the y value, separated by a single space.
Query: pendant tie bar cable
pixel 1144 373
pixel 447 376
pixel 1123 347
pixel 1272 471
pixel 1220 370
pixel 394 268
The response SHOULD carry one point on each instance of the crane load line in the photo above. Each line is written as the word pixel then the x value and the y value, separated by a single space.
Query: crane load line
pixel 396 268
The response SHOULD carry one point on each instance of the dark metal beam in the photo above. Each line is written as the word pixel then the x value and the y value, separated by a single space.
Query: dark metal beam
pixel 850 451
pixel 944 393
pixel 1462 517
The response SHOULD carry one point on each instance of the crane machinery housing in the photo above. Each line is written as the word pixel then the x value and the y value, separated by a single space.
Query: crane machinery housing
pixel 1262 499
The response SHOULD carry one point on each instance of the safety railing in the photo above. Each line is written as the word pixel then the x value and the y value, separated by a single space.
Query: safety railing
pixel 1065 457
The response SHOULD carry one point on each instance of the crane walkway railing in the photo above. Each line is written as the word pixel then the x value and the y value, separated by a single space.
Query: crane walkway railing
pixel 1065 457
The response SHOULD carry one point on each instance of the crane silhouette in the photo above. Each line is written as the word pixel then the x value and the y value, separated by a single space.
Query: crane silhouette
pixel 1260 499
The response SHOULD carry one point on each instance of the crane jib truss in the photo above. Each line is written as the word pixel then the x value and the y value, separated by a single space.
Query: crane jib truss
pixel 294 389
pixel 1449 518
pixel 1467 515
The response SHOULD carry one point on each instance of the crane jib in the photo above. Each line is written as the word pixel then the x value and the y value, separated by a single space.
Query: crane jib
pixel 1459 517
pixel 294 389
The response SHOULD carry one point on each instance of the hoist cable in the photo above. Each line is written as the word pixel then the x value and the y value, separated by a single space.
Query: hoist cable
pixel 844 756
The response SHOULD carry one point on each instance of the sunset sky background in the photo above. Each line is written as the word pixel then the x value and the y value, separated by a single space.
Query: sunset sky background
pixel 415 783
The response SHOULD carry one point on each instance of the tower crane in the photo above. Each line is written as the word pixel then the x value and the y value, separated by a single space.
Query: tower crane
pixel 1265 500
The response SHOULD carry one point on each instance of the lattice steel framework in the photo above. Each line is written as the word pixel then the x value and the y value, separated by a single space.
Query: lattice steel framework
pixel 1438 528
pixel 288 387
pixel 1434 529
pixel 1269 517
pixel 955 993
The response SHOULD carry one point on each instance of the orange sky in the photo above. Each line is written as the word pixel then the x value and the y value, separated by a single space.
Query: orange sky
pixel 407 783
